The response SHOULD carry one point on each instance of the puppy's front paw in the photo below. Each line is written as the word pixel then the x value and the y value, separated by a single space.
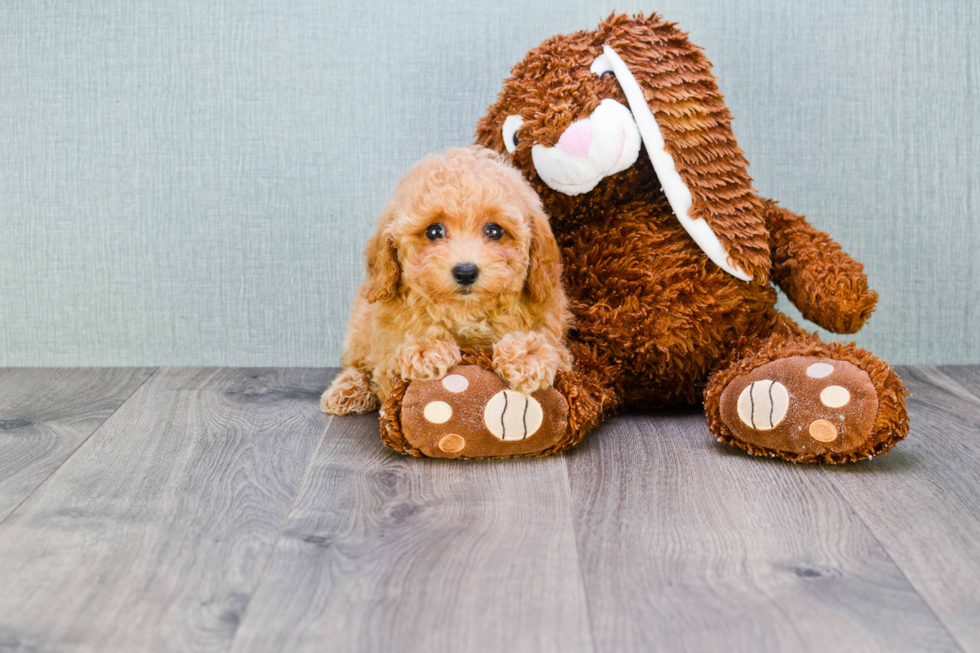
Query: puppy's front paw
pixel 425 360
pixel 349 393
pixel 528 361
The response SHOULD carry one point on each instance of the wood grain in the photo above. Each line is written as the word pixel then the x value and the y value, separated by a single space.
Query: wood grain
pixel 690 545
pixel 386 553
pixel 45 414
pixel 967 376
pixel 922 500
pixel 201 516
pixel 154 534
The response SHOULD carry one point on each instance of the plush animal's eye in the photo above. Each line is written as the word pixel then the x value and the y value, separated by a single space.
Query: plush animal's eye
pixel 493 231
pixel 509 131
pixel 602 67
pixel 435 231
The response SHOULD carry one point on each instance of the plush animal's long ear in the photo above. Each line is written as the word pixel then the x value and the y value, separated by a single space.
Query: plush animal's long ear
pixel 695 139
pixel 543 283
pixel 383 272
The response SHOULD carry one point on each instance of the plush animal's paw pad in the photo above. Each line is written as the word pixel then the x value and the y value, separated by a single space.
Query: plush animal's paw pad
pixel 470 413
pixel 762 405
pixel 802 405
pixel 452 443
pixel 512 415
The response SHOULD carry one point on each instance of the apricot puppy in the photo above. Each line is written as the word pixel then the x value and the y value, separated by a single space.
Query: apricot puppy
pixel 463 257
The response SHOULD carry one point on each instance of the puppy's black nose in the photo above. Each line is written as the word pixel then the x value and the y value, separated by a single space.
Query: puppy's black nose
pixel 465 273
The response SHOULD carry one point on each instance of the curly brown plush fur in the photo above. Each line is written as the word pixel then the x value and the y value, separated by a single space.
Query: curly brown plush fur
pixel 815 274
pixel 656 322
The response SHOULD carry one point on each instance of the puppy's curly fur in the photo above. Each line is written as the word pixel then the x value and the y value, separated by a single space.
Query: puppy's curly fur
pixel 412 315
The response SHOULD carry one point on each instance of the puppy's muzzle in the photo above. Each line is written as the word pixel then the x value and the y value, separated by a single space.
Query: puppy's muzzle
pixel 465 274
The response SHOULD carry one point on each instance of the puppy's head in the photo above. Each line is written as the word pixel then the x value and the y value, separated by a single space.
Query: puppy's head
pixel 463 226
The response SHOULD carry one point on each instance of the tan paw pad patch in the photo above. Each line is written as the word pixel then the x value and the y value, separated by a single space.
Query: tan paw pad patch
pixel 438 412
pixel 822 431
pixel 452 443
pixel 835 396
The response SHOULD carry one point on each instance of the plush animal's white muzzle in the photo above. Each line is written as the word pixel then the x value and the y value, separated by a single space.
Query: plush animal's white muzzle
pixel 589 150
pixel 609 141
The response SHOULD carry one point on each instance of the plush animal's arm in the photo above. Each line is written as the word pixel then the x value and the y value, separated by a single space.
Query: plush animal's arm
pixel 826 284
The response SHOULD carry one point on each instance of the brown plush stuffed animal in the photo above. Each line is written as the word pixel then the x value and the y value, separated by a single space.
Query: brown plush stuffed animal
pixel 669 261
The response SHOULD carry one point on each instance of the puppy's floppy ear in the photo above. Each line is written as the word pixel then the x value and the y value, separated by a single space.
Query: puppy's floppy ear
pixel 544 271
pixel 383 272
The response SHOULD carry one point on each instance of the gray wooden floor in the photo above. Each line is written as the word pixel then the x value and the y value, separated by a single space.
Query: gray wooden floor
pixel 219 510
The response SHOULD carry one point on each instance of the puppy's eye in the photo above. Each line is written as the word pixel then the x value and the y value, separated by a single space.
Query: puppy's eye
pixel 493 231
pixel 509 131
pixel 607 75
pixel 435 231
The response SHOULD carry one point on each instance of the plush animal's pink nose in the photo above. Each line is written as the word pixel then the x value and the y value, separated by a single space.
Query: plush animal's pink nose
pixel 575 140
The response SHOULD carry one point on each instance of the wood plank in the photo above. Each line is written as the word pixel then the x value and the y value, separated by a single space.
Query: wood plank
pixel 922 500
pixel 687 544
pixel 386 553
pixel 966 376
pixel 154 534
pixel 45 414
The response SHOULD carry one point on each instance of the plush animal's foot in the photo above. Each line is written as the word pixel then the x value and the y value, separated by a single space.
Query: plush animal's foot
pixel 423 360
pixel 470 413
pixel 528 361
pixel 804 408
pixel 349 393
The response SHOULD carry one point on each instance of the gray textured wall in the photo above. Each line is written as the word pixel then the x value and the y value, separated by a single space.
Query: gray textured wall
pixel 191 183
